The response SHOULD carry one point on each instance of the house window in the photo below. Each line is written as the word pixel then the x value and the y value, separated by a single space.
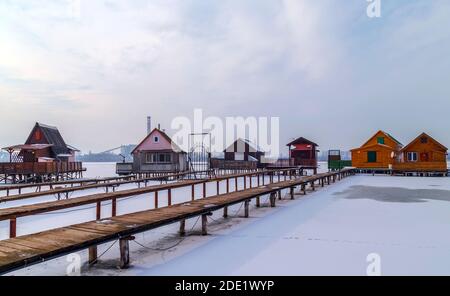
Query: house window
pixel 411 156
pixel 156 139
pixel 158 158
pixel 371 156
pixel 424 140
pixel 380 140
pixel 151 158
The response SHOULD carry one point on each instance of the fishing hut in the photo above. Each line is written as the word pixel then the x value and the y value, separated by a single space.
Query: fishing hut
pixel 45 156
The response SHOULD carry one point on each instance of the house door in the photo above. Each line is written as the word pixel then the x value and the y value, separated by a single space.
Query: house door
pixel 424 157
pixel 371 156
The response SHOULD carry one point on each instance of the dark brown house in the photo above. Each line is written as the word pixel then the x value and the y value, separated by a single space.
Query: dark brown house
pixel 243 150
pixel 51 143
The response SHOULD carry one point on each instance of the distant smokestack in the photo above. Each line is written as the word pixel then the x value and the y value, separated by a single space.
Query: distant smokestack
pixel 159 126
pixel 149 125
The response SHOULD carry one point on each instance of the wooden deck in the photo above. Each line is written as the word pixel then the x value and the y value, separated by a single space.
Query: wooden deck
pixel 35 248
pixel 62 193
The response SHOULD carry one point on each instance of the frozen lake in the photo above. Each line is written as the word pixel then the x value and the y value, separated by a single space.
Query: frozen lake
pixel 403 220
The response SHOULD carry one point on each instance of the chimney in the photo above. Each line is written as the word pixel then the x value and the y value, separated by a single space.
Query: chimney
pixel 149 125
pixel 159 126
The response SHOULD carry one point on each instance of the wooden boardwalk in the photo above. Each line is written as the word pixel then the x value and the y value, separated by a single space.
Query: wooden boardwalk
pixel 82 183
pixel 63 193
pixel 31 249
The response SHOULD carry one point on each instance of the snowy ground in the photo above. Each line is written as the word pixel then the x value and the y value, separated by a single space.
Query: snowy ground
pixel 330 232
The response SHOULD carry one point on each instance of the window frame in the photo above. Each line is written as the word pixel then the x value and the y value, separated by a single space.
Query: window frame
pixel 158 157
pixel 412 159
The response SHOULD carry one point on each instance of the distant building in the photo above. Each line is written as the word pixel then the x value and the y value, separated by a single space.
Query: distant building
pixel 158 153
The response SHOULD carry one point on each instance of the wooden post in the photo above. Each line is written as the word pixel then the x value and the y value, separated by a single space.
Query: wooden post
pixel 182 227
pixel 124 245
pixel 193 192
pixel 245 182
pixel 273 199
pixel 246 206
pixel 251 181
pixel 99 210
pixel 204 189
pixel 13 227
pixel 292 192
pixel 169 196
pixel 258 202
pixel 156 199
pixel 204 224
pixel 258 176
pixel 228 185
pixel 225 212
pixel 93 255
pixel 313 186
pixel 279 194
pixel 236 184
pixel 304 189
pixel 114 207
pixel 218 187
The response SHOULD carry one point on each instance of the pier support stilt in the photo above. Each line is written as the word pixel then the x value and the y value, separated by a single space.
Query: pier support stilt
pixel 92 255
pixel 124 245
pixel 204 224
pixel 182 231
pixel 246 208
pixel 273 198
pixel 225 212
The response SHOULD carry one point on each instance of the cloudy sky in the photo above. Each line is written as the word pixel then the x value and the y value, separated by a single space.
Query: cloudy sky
pixel 97 68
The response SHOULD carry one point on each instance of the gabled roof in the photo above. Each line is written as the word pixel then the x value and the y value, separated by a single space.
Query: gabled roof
pixel 424 135
pixel 245 142
pixel 52 136
pixel 175 147
pixel 384 133
pixel 302 140
pixel 374 145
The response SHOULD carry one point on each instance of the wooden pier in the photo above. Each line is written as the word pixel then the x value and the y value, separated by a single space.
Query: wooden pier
pixel 63 193
pixel 23 251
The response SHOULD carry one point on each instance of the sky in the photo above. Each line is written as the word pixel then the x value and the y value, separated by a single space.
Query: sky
pixel 96 69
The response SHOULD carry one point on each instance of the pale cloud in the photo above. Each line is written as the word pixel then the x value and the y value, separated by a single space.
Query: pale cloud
pixel 310 62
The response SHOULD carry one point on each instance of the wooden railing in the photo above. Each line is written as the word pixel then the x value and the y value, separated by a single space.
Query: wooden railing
pixel 233 164
pixel 40 168
pixel 306 162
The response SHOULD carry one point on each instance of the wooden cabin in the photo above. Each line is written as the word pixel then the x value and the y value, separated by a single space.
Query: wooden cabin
pixel 423 154
pixel 44 155
pixel 243 149
pixel 303 152
pixel 54 148
pixel 158 153
pixel 379 152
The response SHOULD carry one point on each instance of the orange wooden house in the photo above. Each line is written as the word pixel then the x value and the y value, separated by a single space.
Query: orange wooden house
pixel 423 154
pixel 379 152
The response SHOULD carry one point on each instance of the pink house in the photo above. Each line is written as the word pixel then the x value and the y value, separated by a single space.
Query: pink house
pixel 158 153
